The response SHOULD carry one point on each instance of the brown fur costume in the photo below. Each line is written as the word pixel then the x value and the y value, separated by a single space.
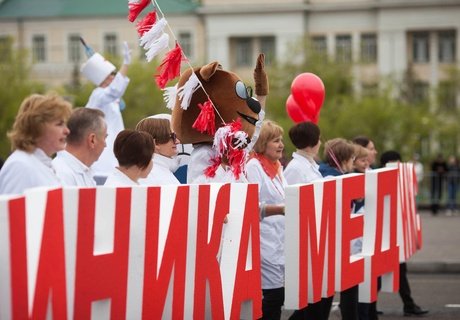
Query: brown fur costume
pixel 221 87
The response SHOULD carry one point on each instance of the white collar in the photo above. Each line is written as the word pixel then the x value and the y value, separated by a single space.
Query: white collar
pixel 43 157
pixel 74 162
pixel 305 155
pixel 170 163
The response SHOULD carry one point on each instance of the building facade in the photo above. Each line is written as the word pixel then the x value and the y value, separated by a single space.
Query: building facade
pixel 380 37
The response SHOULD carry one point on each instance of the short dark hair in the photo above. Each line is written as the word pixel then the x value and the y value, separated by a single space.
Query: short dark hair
pixel 361 140
pixel 304 134
pixel 81 122
pixel 389 156
pixel 133 148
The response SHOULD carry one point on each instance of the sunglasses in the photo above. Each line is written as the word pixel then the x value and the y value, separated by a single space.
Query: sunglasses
pixel 173 136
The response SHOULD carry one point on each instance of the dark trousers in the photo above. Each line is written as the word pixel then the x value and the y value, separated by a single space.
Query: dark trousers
pixel 349 303
pixel 314 311
pixel 367 311
pixel 272 301
pixel 404 288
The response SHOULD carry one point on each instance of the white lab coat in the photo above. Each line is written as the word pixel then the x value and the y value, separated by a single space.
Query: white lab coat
pixel 71 171
pixel 108 101
pixel 162 171
pixel 271 191
pixel 118 179
pixel 301 170
pixel 23 170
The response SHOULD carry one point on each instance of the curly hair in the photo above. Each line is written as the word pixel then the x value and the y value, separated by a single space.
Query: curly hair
pixel 34 113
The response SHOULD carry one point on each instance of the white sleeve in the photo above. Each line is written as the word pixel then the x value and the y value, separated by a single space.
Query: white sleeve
pixel 16 177
pixel 103 96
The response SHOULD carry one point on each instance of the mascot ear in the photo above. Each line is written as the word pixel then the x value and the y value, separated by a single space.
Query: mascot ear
pixel 207 71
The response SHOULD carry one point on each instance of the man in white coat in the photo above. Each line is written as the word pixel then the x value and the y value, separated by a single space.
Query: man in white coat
pixel 111 85
pixel 85 143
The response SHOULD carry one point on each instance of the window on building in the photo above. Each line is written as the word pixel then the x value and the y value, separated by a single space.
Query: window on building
pixel 111 44
pixel 447 95
pixel 243 52
pixel 319 44
pixel 267 46
pixel 343 48
pixel 185 41
pixel 420 47
pixel 369 48
pixel 446 46
pixel 38 48
pixel 75 48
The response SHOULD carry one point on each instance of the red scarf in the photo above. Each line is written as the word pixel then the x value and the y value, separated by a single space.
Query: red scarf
pixel 270 167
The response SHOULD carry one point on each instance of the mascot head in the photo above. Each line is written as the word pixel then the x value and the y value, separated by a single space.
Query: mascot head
pixel 229 96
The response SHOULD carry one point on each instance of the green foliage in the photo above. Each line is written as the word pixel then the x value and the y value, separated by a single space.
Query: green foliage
pixel 143 97
pixel 14 87
pixel 391 116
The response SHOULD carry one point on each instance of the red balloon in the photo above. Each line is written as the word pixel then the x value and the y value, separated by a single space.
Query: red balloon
pixel 296 113
pixel 308 89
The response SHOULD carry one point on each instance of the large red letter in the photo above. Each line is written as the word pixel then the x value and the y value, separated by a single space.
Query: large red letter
pixel 102 276
pixel 248 282
pixel 158 272
pixel 380 248
pixel 18 253
pixel 51 265
pixel 207 266
pixel 351 227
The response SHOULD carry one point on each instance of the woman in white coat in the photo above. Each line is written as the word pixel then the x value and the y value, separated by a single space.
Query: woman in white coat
pixel 39 131
pixel 133 150
pixel 165 154
pixel 303 167
pixel 265 169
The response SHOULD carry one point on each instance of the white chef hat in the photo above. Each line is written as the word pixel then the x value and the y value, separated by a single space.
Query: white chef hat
pixel 96 69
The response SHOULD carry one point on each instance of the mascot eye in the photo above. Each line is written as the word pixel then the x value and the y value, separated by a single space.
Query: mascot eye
pixel 242 91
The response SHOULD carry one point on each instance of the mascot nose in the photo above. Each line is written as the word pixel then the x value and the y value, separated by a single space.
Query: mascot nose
pixel 254 105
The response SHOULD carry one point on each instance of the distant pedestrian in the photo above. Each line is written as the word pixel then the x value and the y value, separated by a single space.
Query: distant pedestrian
pixel 438 176
pixel 453 176
pixel 418 167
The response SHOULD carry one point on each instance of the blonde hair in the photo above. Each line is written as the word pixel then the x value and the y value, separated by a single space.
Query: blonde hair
pixel 360 152
pixel 337 151
pixel 34 113
pixel 269 131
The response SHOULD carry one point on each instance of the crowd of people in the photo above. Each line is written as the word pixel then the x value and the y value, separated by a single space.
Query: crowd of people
pixel 55 144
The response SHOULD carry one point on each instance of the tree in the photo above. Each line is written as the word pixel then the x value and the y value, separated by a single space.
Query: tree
pixel 14 87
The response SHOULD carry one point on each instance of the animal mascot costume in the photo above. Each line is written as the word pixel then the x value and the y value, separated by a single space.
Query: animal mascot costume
pixel 215 111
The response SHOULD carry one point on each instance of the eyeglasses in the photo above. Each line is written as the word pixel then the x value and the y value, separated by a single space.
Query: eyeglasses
pixel 173 136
